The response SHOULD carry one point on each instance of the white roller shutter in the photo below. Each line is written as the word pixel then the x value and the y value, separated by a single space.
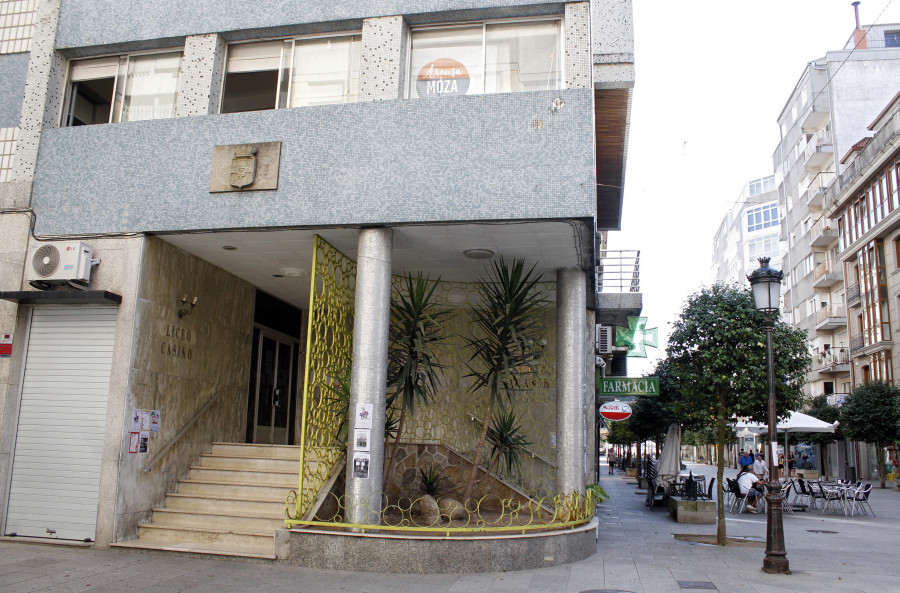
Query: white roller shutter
pixel 62 418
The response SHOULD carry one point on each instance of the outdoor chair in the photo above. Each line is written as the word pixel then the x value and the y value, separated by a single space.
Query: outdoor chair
pixel 785 497
pixel 815 493
pixel 802 494
pixel 709 491
pixel 739 500
pixel 861 499
pixel 829 496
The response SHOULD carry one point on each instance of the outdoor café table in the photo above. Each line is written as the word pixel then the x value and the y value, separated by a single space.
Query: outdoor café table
pixel 844 491
pixel 681 480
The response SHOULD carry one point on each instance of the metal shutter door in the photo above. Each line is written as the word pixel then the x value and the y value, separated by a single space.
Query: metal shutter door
pixel 62 419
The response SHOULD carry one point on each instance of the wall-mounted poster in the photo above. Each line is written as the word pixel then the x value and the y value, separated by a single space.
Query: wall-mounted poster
pixel 364 415
pixel 361 439
pixel 154 420
pixel 136 419
pixel 134 442
pixel 361 465
pixel 144 442
pixel 6 341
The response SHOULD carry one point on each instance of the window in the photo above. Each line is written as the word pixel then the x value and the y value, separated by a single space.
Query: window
pixel 7 149
pixel 486 58
pixel 16 25
pixel 765 246
pixel 892 38
pixel 291 73
pixel 122 88
pixel 762 217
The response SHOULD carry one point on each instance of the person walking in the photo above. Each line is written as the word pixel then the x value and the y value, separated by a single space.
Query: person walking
pixel 760 467
pixel 611 458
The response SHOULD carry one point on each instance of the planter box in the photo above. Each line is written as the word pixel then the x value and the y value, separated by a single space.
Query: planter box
pixel 692 511
pixel 631 473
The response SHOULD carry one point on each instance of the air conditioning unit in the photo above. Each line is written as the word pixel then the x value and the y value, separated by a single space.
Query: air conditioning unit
pixel 605 339
pixel 63 262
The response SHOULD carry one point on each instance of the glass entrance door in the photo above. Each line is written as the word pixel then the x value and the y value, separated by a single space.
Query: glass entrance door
pixel 274 378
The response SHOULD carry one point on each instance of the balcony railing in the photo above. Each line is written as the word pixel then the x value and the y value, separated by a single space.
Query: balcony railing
pixel 831 311
pixel 836 399
pixel 853 297
pixel 822 269
pixel 832 357
pixel 619 271
pixel 856 343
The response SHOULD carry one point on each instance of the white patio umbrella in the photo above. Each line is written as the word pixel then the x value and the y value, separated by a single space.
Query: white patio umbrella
pixel 795 422
pixel 669 464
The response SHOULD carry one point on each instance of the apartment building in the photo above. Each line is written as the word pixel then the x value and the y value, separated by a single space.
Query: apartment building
pixel 204 207
pixel 825 116
pixel 749 231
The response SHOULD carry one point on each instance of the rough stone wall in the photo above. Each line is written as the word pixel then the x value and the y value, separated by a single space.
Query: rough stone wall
pixel 178 365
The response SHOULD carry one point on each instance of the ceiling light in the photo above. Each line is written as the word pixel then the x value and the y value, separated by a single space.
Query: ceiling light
pixel 478 253
pixel 293 272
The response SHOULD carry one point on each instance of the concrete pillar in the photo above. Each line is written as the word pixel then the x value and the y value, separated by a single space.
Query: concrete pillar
pixel 383 59
pixel 571 302
pixel 369 375
pixel 590 407
pixel 200 82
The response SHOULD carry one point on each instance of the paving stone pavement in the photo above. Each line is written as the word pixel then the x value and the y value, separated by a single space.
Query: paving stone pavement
pixel 636 553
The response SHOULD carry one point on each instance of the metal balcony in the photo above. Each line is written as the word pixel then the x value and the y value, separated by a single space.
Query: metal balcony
pixel 856 343
pixel 826 275
pixel 821 234
pixel 830 318
pixel 836 399
pixel 832 361
pixel 819 151
pixel 853 297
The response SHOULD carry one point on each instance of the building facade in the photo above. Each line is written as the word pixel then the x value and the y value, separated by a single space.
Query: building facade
pixel 237 190
pixel 749 231
pixel 824 117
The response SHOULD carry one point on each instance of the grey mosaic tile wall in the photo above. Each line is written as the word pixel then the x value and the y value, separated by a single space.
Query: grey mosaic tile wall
pixel 364 163
pixel 102 22
pixel 578 45
pixel 383 58
pixel 13 68
pixel 201 75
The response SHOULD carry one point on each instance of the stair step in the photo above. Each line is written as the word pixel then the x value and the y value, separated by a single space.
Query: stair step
pixel 250 450
pixel 263 542
pixel 237 476
pixel 190 502
pixel 250 463
pixel 217 489
pixel 217 549
pixel 212 520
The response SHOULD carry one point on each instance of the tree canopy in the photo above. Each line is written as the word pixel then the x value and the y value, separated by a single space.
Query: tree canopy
pixel 717 352
pixel 871 414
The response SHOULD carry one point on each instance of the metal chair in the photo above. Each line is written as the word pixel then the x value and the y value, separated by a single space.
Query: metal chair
pixel 861 499
pixel 739 499
pixel 785 496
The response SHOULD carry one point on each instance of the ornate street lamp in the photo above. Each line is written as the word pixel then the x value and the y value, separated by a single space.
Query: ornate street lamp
pixel 766 285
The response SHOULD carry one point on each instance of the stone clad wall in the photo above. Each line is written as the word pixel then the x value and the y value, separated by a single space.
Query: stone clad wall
pixel 177 366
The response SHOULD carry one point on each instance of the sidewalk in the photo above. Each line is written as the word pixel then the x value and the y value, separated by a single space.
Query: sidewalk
pixel 636 553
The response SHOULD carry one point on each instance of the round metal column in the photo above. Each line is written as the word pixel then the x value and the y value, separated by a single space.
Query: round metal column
pixel 369 372
pixel 570 307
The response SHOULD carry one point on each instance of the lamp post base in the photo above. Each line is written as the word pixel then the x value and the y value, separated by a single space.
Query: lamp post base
pixel 776 561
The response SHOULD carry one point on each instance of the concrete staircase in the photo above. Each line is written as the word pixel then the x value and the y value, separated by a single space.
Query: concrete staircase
pixel 230 504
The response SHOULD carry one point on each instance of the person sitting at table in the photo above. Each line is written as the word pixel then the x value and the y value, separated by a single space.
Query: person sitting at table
pixel 747 482
pixel 760 467
pixel 805 463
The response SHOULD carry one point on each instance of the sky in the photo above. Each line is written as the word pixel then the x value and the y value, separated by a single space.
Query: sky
pixel 711 78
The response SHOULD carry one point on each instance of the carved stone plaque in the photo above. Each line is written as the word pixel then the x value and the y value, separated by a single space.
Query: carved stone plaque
pixel 245 167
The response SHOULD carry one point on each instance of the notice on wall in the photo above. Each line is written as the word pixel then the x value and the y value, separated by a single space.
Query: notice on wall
pixel 6 341
pixel 364 415
pixel 154 420
pixel 136 419
pixel 361 439
pixel 361 465
pixel 134 442
pixel 145 420
pixel 144 443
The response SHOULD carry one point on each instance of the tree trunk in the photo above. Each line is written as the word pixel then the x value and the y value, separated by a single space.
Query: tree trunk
pixel 720 474
pixel 879 452
pixel 470 483
pixel 390 463
pixel 824 450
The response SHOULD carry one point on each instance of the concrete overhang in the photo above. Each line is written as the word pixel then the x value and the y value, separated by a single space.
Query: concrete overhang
pixel 614 308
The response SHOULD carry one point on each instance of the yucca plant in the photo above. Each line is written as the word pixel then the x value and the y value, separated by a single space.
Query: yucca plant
pixel 506 323
pixel 432 480
pixel 507 441
pixel 417 329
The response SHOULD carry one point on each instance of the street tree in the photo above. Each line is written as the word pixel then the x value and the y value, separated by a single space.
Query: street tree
pixel 718 351
pixel 871 414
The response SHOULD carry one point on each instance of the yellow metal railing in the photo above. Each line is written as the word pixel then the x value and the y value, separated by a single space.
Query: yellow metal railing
pixel 489 514
pixel 329 347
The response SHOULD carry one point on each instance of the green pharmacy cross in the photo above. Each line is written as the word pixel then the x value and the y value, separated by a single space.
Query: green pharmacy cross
pixel 636 337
